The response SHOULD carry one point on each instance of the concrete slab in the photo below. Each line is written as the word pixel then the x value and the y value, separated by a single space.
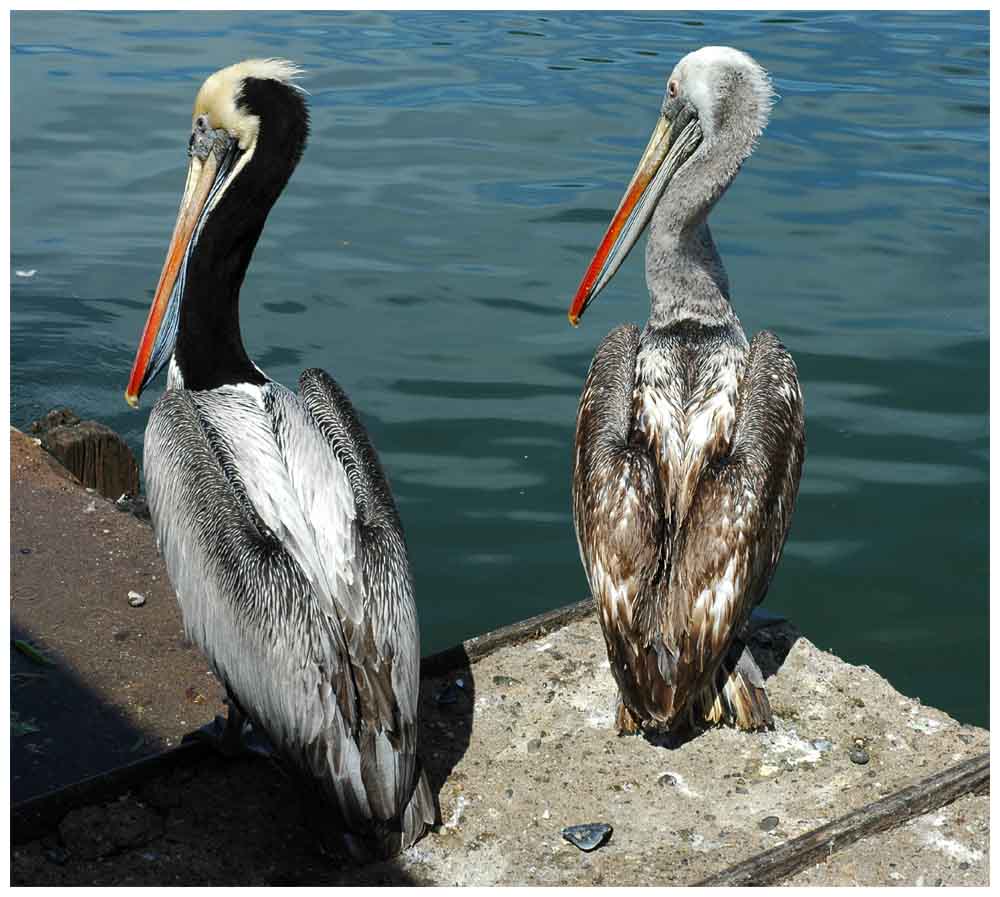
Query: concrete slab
pixel 519 745
pixel 124 683
pixel 947 847
pixel 542 756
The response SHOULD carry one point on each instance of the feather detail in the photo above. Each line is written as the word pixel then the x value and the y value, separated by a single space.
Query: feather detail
pixel 689 450
pixel 300 597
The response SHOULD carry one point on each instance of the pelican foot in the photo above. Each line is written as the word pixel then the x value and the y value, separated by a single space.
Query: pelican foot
pixel 625 723
pixel 216 735
pixel 233 737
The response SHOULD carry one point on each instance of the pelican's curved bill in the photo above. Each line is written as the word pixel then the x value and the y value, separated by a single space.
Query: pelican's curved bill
pixel 157 341
pixel 668 149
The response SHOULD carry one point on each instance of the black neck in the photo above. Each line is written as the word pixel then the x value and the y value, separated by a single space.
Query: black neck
pixel 209 351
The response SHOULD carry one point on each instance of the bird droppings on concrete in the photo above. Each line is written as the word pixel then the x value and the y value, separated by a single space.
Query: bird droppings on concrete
pixel 458 812
pixel 950 846
pixel 929 831
pixel 791 749
pixel 924 725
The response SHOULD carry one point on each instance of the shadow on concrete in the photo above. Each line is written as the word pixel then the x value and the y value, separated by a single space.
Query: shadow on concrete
pixel 771 639
pixel 61 730
pixel 206 820
pixel 447 704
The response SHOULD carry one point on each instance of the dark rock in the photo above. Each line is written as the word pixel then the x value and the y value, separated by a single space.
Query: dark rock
pixel 665 780
pixel 94 453
pixel 57 855
pixel 859 755
pixel 587 836
pixel 135 505
pixel 768 823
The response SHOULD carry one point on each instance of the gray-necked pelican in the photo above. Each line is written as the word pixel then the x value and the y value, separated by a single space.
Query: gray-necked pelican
pixel 270 507
pixel 689 439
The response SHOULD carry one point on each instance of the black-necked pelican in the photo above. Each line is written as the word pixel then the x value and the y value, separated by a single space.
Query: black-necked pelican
pixel 270 507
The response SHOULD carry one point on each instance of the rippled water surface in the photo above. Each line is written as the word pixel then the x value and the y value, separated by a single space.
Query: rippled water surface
pixel 461 171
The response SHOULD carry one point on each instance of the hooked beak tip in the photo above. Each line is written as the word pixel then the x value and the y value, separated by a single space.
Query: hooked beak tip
pixel 573 319
pixel 132 399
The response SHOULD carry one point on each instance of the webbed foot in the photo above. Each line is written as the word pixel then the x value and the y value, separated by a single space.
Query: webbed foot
pixel 233 736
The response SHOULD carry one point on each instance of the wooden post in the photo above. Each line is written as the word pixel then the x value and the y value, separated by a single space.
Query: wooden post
pixel 94 453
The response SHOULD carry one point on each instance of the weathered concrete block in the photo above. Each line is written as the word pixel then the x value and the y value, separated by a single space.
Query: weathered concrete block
pixel 91 451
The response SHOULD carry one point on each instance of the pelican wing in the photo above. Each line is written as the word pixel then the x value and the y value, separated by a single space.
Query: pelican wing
pixel 732 537
pixel 619 517
pixel 388 667
pixel 228 526
pixel 259 526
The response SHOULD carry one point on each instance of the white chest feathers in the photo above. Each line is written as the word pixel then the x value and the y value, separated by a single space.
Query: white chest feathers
pixel 685 417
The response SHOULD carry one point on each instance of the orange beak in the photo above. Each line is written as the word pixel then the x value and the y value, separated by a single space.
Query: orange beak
pixel 156 345
pixel 629 221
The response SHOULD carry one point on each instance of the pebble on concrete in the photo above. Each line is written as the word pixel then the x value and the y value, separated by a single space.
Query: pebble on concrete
pixel 859 755
pixel 768 823
pixel 588 836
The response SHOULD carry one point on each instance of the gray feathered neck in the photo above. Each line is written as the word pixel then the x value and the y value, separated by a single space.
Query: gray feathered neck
pixel 684 272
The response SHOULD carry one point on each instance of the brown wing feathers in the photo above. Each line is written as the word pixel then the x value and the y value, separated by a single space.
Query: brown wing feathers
pixel 671 612
pixel 732 538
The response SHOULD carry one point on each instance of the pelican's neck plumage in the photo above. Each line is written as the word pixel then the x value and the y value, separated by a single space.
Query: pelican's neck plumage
pixel 685 277
pixel 684 271
pixel 209 351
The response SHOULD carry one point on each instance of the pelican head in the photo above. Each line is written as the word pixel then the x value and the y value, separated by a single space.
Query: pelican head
pixel 716 105
pixel 248 130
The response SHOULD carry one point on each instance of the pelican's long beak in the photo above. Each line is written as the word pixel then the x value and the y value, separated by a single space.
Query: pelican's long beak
pixel 668 149
pixel 159 335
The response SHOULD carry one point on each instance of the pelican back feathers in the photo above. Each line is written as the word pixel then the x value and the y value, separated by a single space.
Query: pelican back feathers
pixel 305 612
pixel 689 450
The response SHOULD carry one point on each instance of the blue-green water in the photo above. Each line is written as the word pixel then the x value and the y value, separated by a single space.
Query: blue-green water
pixel 460 173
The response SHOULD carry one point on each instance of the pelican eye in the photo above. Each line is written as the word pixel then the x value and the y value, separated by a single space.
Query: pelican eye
pixel 672 88
pixel 201 123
